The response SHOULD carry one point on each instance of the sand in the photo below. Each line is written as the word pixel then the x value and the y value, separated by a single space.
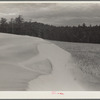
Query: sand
pixel 33 64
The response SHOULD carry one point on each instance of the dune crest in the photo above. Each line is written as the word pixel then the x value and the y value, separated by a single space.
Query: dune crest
pixel 30 63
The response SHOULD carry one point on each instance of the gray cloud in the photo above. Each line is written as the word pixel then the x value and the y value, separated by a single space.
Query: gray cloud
pixel 54 13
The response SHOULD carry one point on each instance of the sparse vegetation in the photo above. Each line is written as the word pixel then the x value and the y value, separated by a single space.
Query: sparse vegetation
pixel 86 56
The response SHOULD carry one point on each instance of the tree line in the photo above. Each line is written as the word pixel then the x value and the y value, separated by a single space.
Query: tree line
pixel 80 33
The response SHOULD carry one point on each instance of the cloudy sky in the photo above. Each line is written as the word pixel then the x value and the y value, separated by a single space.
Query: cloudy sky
pixel 54 13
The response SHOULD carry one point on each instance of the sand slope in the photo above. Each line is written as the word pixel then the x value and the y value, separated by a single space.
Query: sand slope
pixel 61 78
pixel 30 63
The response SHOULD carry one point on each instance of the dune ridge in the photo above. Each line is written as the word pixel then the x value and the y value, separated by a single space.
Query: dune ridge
pixel 34 64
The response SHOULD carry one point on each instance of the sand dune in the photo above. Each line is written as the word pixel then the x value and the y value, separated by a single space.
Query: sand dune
pixel 30 63
pixel 61 78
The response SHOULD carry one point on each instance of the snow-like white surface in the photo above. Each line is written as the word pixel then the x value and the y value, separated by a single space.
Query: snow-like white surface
pixel 60 77
pixel 44 65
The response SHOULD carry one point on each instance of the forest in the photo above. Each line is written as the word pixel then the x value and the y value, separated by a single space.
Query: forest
pixel 81 33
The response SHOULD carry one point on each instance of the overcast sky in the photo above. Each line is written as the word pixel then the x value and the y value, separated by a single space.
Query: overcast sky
pixel 54 13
